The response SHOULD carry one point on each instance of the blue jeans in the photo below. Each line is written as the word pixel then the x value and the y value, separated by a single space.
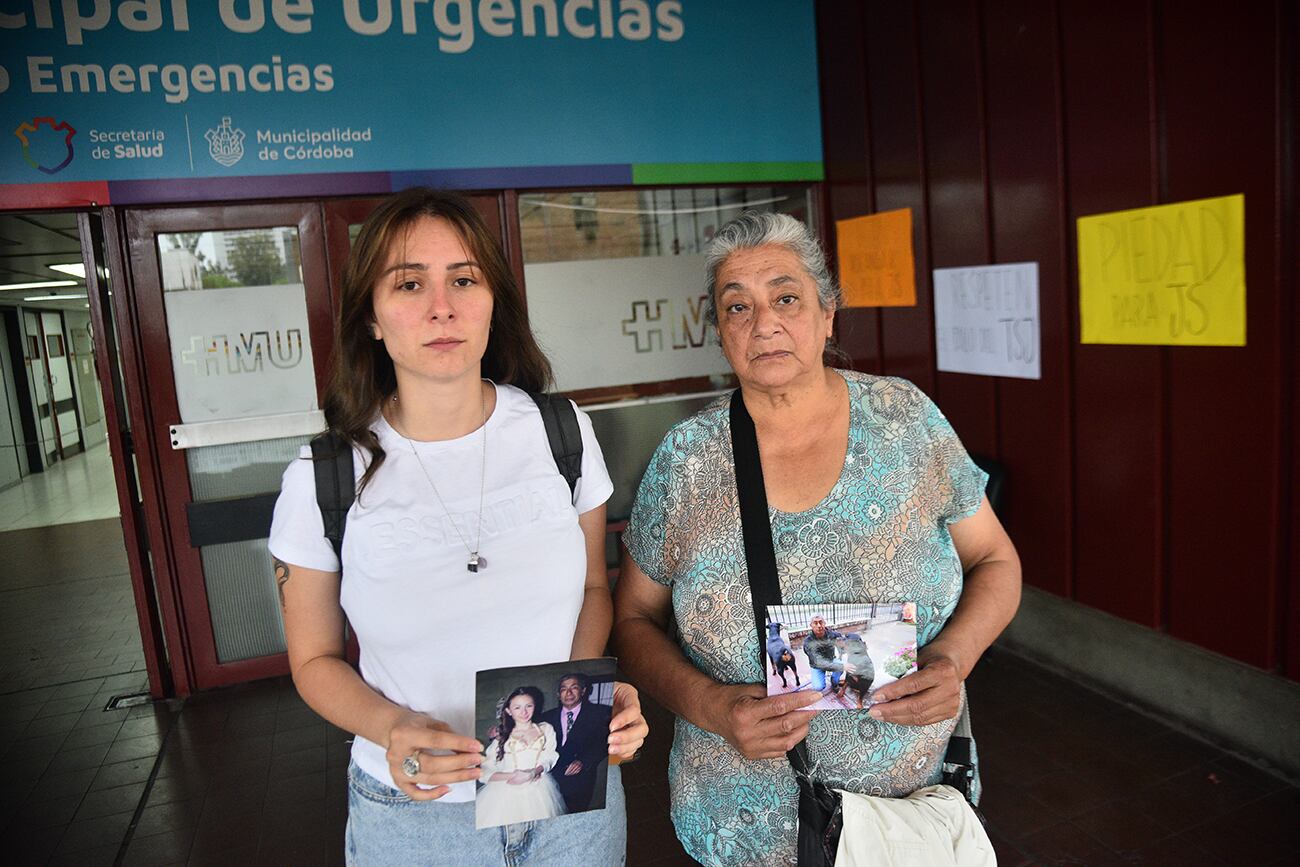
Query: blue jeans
pixel 819 678
pixel 385 827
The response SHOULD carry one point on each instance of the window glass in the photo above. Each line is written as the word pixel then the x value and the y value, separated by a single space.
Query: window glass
pixel 615 280
pixel 237 322
pixel 615 224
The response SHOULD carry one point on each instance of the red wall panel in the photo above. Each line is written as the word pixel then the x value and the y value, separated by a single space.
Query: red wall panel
pixel 952 118
pixel 1027 208
pixel 893 91
pixel 1118 428
pixel 841 48
pixel 1223 402
pixel 1157 483
pixel 1289 28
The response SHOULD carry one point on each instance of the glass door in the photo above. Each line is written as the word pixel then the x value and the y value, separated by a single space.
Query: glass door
pixel 234 316
pixel 101 344
pixel 67 427
pixel 40 385
pixel 234 306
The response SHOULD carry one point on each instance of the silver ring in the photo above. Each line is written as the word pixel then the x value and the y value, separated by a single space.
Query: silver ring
pixel 411 765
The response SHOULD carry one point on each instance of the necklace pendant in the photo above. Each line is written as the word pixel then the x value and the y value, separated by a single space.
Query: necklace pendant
pixel 476 562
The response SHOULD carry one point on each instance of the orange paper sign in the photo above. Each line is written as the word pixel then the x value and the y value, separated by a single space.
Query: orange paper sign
pixel 876 266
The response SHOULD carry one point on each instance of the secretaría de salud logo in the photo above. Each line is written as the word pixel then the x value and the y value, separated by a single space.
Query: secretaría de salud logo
pixel 225 143
pixel 48 152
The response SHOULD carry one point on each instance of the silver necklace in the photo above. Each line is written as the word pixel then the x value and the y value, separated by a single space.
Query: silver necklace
pixel 475 561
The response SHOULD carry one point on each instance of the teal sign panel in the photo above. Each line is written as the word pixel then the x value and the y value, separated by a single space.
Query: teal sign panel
pixel 125 100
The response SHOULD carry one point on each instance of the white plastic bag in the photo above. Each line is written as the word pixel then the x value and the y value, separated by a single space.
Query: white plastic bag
pixel 932 827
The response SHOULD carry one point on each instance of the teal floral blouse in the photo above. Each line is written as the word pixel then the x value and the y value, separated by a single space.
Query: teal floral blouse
pixel 880 535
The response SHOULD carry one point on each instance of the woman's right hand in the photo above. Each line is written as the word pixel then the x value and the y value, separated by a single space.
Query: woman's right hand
pixel 415 733
pixel 758 725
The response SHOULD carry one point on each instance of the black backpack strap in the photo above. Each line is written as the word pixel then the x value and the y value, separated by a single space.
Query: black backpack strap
pixel 335 485
pixel 561 421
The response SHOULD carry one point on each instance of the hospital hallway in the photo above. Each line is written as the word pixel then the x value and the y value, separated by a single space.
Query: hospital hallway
pixel 67 616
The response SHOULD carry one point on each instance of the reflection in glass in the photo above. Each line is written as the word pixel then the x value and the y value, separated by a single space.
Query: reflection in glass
pixel 237 323
pixel 632 261
pixel 617 224
pixel 233 257
pixel 240 469
pixel 615 286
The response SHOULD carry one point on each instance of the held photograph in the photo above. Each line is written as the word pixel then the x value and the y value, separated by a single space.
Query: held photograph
pixel 846 652
pixel 546 735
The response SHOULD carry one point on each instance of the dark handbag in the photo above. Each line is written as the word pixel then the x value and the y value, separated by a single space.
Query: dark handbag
pixel 820 813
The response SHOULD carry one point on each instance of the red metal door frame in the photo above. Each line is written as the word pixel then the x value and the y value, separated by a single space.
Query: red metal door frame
pixel 181 602
pixel 185 608
pixel 102 258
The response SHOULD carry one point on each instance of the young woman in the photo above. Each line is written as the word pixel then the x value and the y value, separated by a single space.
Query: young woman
pixel 465 548
pixel 517 786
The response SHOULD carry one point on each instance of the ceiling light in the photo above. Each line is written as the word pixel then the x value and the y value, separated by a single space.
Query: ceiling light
pixel 56 298
pixel 76 269
pixel 39 284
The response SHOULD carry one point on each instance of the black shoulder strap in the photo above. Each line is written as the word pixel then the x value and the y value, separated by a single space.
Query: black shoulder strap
pixel 766 590
pixel 816 801
pixel 755 524
pixel 562 432
pixel 335 485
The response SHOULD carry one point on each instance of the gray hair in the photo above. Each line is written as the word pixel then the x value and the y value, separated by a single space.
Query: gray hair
pixel 759 229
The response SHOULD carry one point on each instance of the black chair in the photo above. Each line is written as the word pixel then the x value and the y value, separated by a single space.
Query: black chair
pixel 997 480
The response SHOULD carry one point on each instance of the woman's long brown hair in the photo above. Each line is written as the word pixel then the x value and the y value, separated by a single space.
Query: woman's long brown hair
pixel 506 723
pixel 362 375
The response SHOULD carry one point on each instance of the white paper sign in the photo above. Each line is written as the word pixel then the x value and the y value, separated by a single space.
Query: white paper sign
pixel 621 321
pixel 241 352
pixel 986 320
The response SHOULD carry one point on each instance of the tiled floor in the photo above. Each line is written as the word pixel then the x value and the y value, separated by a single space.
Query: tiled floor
pixel 66 608
pixel 78 489
pixel 249 775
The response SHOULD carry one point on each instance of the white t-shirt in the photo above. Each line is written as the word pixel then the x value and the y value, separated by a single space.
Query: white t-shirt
pixel 425 623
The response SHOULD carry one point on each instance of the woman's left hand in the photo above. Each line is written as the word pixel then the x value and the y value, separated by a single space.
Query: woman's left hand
pixel 627 728
pixel 930 695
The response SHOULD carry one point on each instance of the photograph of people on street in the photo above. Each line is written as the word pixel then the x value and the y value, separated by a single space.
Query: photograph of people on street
pixel 546 728
pixel 846 652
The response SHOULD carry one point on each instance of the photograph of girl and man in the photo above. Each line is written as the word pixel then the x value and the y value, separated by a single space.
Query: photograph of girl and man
pixel 547 733
pixel 846 652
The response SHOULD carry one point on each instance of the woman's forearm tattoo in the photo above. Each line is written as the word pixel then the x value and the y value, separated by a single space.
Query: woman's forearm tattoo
pixel 281 577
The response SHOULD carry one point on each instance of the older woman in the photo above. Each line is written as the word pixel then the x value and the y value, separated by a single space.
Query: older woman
pixel 871 498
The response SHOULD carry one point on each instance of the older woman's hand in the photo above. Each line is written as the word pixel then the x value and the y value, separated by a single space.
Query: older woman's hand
pixel 759 726
pixel 930 695
pixel 627 727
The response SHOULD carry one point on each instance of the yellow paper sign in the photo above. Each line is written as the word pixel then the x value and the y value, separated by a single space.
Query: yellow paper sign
pixel 875 254
pixel 1171 274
